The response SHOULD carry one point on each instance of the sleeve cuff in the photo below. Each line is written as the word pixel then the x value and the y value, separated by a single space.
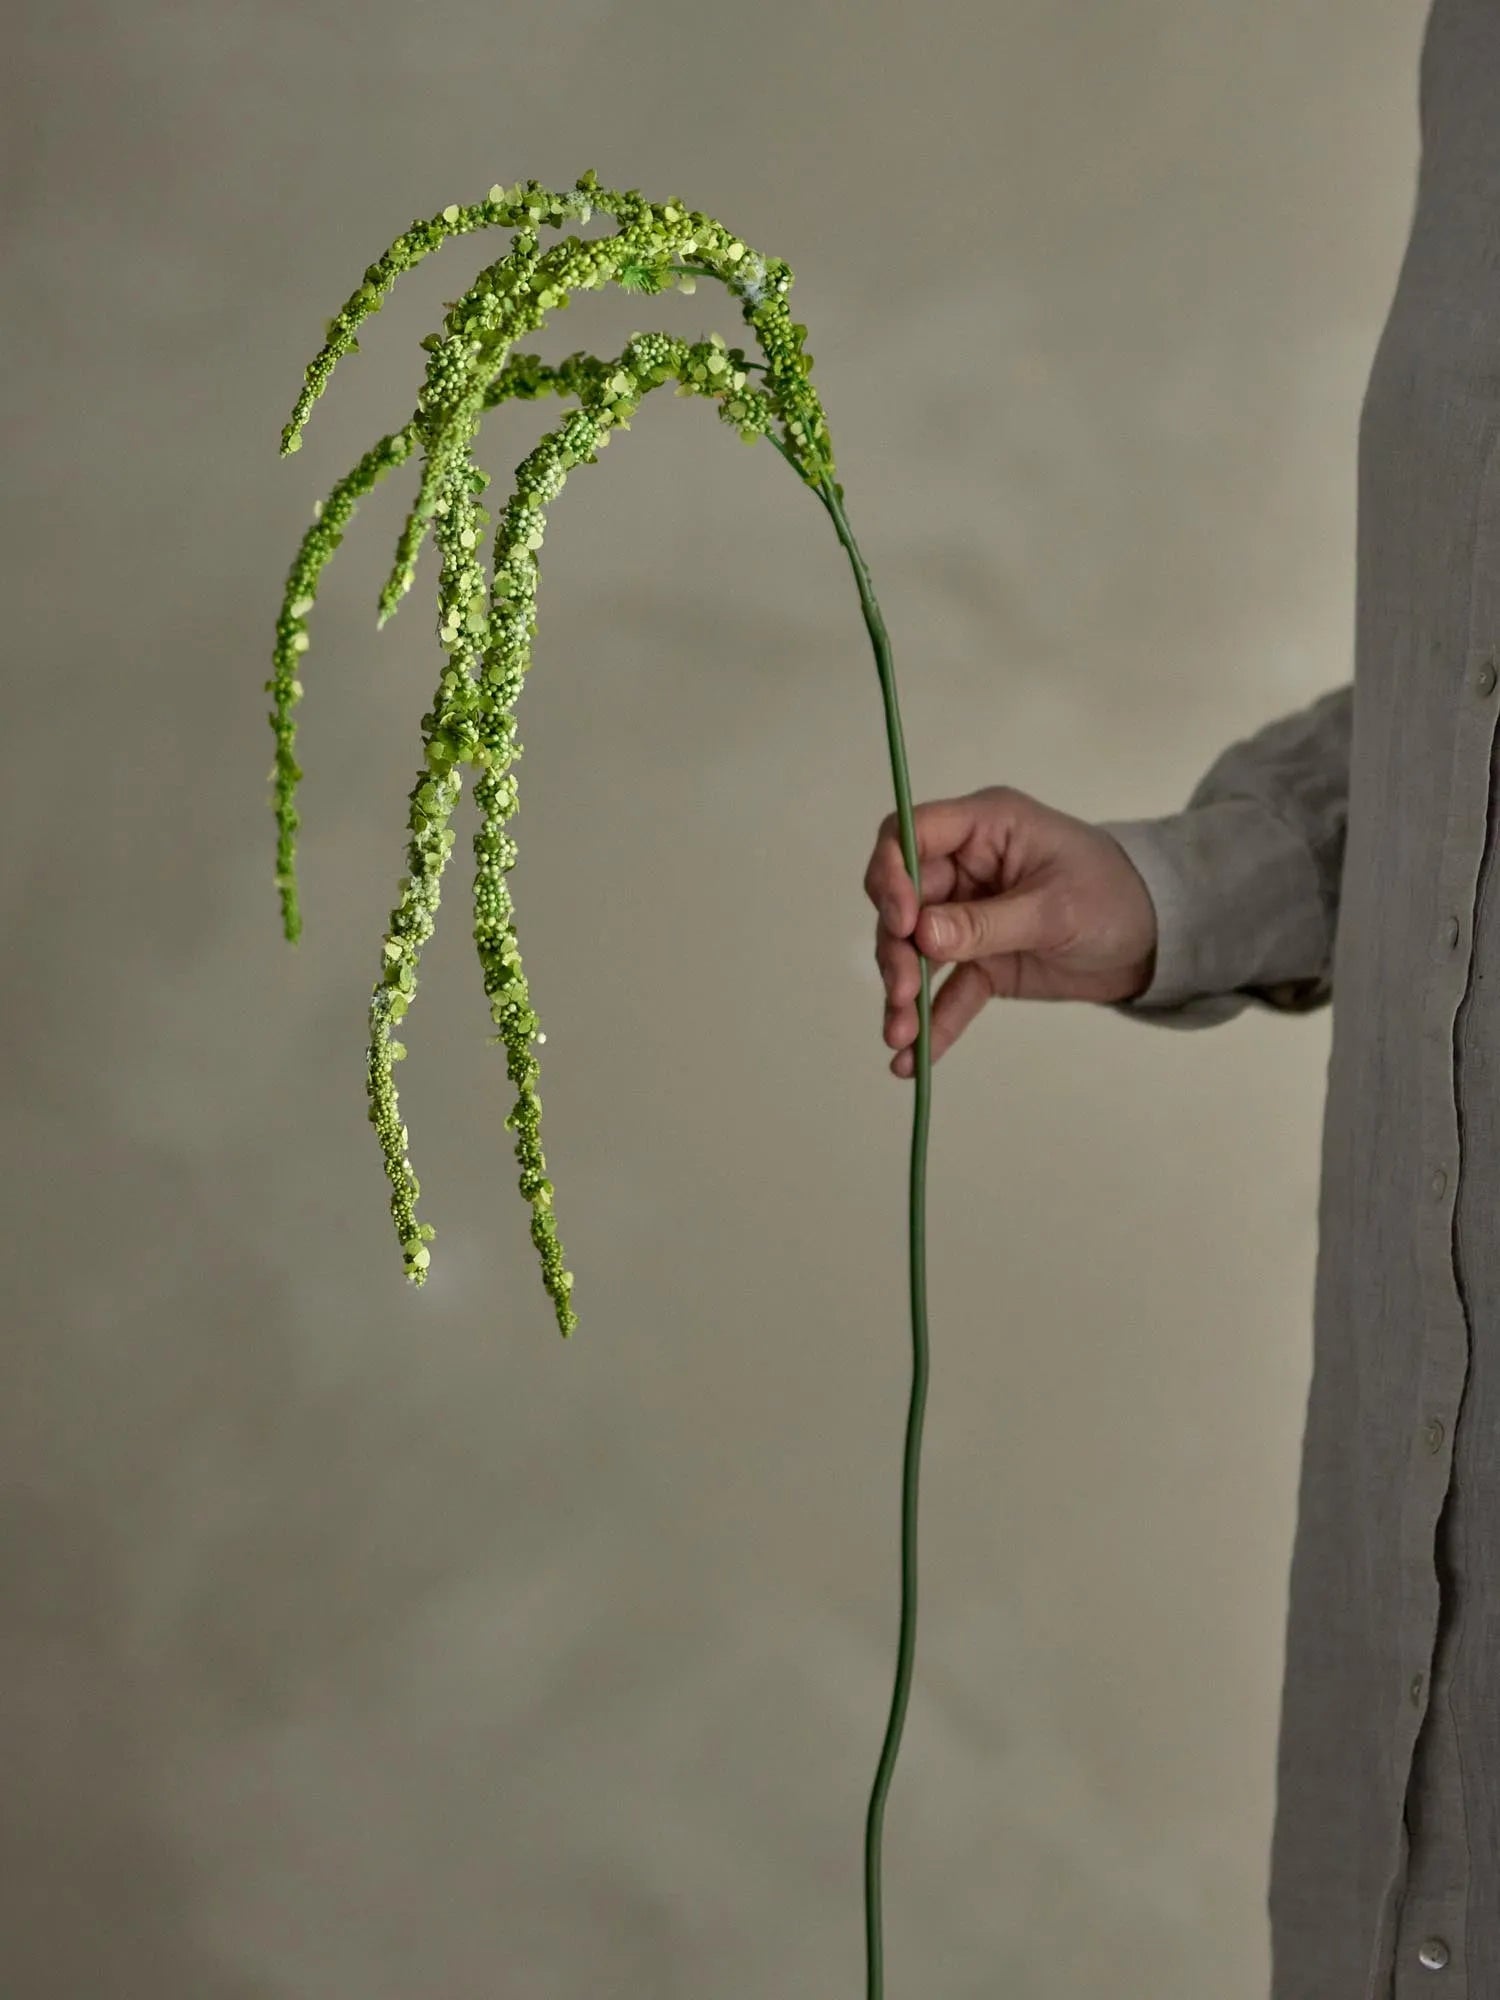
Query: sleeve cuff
pixel 1239 910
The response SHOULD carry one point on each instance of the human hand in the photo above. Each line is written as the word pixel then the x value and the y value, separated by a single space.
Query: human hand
pixel 1037 905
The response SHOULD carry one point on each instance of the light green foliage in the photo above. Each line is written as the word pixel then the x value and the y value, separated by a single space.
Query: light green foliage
pixel 486 623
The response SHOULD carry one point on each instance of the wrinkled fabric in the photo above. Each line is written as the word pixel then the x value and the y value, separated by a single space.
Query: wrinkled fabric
pixel 1342 857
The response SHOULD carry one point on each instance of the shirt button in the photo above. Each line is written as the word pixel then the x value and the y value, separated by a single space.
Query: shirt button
pixel 1487 677
pixel 1439 1183
pixel 1435 1434
pixel 1453 930
pixel 1433 1953
pixel 1416 1689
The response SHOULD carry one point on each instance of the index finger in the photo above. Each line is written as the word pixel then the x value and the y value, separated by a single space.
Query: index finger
pixel 941 826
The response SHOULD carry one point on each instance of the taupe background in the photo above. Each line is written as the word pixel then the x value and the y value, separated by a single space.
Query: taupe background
pixel 359 1643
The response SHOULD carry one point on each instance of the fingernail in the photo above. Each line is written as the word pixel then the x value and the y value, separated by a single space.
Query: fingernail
pixel 940 930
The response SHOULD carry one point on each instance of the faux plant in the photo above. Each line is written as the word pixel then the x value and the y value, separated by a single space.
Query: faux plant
pixel 486 622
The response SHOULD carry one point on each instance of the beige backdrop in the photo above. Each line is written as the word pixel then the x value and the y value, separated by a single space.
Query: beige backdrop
pixel 366 1644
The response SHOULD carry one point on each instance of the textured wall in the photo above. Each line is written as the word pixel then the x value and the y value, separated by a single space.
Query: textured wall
pixel 366 1644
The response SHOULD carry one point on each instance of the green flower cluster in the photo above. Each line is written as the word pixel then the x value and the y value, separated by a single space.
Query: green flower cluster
pixel 486 625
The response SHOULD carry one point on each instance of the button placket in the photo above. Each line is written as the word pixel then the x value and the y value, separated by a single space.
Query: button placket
pixel 1429 1951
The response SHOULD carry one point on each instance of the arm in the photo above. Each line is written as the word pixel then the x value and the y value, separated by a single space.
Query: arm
pixel 1245 879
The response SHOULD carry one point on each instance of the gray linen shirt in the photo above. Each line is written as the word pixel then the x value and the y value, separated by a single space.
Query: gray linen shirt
pixel 1342 856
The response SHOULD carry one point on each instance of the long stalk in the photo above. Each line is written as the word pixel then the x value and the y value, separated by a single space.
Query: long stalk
pixel 875 1974
pixel 831 495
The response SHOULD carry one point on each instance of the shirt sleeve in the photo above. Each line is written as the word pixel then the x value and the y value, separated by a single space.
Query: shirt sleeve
pixel 1245 879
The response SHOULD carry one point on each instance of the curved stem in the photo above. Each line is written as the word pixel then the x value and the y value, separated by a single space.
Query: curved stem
pixel 831 495
pixel 874 1986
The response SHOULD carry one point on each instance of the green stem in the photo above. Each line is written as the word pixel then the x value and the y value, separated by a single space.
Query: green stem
pixel 874 1985
pixel 831 495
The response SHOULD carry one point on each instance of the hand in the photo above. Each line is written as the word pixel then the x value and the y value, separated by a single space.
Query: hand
pixel 1033 905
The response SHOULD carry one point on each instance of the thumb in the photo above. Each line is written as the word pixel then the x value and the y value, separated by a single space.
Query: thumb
pixel 990 926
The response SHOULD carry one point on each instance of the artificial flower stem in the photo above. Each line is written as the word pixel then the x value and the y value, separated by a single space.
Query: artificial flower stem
pixel 875 1976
